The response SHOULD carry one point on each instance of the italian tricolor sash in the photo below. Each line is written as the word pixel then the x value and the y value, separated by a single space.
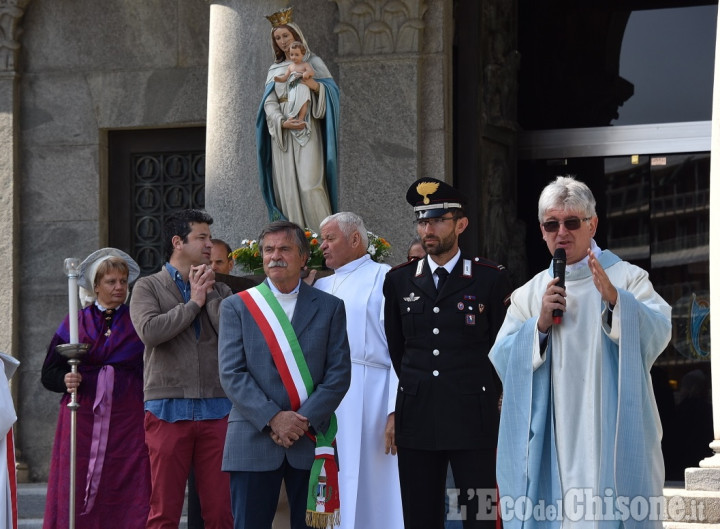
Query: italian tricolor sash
pixel 323 503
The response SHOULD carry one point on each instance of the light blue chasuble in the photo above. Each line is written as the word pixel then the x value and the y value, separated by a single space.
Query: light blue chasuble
pixel 626 445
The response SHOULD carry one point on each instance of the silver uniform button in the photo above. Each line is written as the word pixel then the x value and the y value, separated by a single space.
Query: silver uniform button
pixel 436 373
pixel 436 331
pixel 436 309
pixel 408 309
pixel 436 352
pixel 483 388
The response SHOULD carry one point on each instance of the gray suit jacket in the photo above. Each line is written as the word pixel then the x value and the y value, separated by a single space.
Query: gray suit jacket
pixel 252 382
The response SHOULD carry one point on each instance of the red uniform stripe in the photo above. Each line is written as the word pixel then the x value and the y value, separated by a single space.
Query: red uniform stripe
pixel 12 476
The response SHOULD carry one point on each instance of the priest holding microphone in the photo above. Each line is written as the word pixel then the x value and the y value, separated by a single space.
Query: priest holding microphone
pixel 579 429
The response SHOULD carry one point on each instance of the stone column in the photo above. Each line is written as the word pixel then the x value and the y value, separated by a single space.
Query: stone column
pixel 8 211
pixel 11 12
pixel 239 55
pixel 10 15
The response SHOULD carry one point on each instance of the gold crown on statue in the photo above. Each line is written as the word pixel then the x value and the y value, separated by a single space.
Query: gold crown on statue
pixel 281 18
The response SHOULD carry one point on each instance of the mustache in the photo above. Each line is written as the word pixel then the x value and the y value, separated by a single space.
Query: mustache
pixel 278 263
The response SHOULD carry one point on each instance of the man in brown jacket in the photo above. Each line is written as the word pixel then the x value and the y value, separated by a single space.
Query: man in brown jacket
pixel 176 314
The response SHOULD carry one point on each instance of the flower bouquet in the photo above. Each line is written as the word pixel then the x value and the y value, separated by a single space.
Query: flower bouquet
pixel 316 256
pixel 249 259
pixel 378 247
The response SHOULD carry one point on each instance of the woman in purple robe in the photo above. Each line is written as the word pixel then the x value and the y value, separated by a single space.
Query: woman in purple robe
pixel 112 467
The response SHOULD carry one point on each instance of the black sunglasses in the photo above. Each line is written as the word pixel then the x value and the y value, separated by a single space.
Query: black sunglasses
pixel 571 224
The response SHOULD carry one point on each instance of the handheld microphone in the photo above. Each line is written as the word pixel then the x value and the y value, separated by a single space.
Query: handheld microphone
pixel 558 264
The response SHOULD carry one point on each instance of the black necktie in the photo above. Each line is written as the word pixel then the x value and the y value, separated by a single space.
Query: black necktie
pixel 442 276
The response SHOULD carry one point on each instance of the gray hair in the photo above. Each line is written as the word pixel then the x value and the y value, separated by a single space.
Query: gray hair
pixel 292 230
pixel 348 223
pixel 567 194
pixel 415 240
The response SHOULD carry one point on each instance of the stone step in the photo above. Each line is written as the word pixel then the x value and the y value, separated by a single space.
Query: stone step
pixel 691 509
pixel 31 506
pixel 31 501
pixel 687 509
pixel 687 525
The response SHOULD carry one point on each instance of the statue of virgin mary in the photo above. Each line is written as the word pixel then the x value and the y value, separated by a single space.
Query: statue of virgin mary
pixel 298 179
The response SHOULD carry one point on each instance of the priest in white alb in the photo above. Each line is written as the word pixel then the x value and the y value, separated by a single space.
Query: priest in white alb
pixel 580 434
pixel 368 478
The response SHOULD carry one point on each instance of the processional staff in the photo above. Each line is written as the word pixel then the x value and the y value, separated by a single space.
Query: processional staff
pixel 73 351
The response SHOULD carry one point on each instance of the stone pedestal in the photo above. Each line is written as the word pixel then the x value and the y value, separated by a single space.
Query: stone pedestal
pixel 707 479
pixel 698 505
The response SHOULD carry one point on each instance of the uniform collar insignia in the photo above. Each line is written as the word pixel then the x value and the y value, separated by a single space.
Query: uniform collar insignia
pixel 467 268
pixel 419 269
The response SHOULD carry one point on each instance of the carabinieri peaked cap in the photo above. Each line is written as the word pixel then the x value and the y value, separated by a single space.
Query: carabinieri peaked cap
pixel 432 198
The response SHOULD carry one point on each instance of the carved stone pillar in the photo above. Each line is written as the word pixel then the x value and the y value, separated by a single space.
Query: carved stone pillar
pixel 11 12
pixel 10 15
pixel 486 63
pixel 393 119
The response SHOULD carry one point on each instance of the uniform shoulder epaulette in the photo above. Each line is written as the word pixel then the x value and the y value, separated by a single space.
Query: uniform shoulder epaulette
pixel 481 261
pixel 403 265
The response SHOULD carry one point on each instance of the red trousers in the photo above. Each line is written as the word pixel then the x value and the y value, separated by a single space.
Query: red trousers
pixel 173 448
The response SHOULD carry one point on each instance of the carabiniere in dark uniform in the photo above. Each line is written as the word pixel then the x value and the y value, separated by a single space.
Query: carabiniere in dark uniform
pixel 447 396
pixel 439 339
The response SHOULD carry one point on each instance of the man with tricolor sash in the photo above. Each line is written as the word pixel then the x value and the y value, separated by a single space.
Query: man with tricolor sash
pixel 285 364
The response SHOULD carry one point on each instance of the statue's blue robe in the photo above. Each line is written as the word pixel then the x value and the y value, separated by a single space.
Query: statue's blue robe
pixel 329 132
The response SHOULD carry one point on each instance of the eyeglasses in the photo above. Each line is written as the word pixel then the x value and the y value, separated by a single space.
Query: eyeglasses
pixel 571 224
pixel 424 223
